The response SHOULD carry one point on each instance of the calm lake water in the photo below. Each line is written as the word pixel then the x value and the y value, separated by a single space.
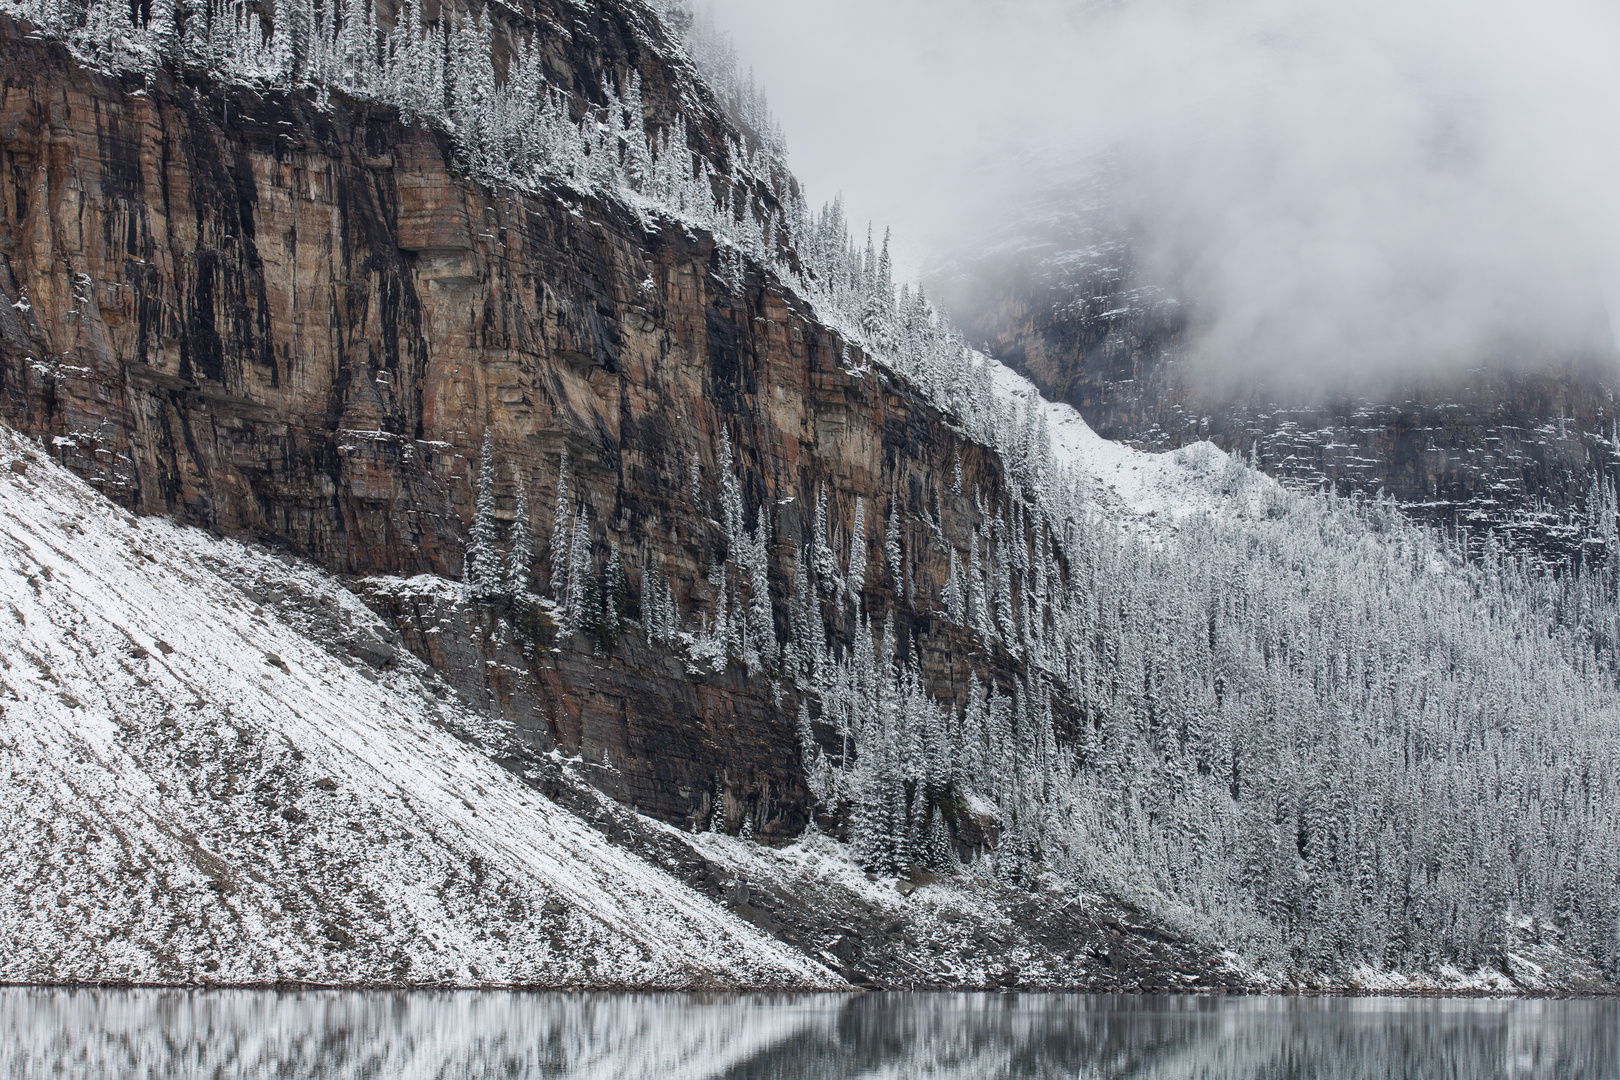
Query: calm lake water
pixel 172 1033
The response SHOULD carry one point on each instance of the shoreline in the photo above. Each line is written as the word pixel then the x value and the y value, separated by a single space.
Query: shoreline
pixel 295 986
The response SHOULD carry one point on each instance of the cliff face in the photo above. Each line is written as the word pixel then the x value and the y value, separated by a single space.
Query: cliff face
pixel 297 325
pixel 1512 450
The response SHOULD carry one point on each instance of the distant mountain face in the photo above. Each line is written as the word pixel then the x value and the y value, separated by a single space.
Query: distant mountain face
pixel 1057 296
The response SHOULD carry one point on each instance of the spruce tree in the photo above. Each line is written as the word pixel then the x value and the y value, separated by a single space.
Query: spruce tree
pixel 615 599
pixel 482 571
pixel 520 557
pixel 891 547
pixel 561 546
pixel 583 604
pixel 855 578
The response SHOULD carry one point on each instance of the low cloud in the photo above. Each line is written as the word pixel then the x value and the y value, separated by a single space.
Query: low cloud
pixel 1339 189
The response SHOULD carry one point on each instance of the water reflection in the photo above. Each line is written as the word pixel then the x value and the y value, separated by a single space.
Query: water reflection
pixel 172 1033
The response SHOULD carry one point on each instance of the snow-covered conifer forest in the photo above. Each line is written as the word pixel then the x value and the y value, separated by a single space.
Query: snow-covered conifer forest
pixel 1296 725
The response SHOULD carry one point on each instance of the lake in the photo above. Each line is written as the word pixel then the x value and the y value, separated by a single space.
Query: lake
pixel 378 1035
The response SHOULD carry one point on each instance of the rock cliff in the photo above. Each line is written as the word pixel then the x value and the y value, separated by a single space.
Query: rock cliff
pixel 291 318
pixel 296 324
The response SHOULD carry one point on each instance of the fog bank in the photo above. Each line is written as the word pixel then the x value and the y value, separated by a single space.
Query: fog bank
pixel 1339 188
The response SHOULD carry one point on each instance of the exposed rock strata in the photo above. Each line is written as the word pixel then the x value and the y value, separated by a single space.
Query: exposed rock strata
pixel 297 324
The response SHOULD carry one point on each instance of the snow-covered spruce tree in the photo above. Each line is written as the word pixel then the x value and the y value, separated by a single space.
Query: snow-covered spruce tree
pixel 731 503
pixel 615 600
pixel 891 547
pixel 717 817
pixel 483 572
pixel 855 577
pixel 817 771
pixel 582 604
pixel 561 544
pixel 1002 599
pixel 822 561
pixel 660 616
pixel 761 614
pixel 592 619
pixel 520 555
pixel 955 604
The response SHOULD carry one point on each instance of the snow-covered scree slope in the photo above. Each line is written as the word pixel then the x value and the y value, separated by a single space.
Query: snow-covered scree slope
pixel 1118 479
pixel 191 788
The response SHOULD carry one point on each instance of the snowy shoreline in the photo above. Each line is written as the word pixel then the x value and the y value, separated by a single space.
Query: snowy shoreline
pixel 296 986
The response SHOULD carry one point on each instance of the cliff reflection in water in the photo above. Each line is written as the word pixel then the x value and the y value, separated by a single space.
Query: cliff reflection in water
pixel 174 1033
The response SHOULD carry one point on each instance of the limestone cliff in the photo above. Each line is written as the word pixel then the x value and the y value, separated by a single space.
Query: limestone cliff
pixel 296 324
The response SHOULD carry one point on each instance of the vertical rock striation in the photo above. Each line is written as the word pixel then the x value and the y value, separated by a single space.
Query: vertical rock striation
pixel 296 324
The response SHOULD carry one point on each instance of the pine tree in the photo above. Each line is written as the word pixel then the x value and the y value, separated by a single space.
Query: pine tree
pixel 615 598
pixel 637 159
pixel 955 606
pixel 195 38
pixel 520 558
pixel 810 756
pixel 163 26
pixel 717 819
pixel 483 572
pixel 561 547
pixel 822 559
pixel 592 620
pixel 855 579
pixel 891 547
pixel 939 853
pixel 761 614
pixel 582 604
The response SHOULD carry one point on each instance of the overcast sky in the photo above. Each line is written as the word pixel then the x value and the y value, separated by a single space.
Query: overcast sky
pixel 1344 183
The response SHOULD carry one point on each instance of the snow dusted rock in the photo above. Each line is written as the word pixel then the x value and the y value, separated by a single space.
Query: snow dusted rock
pixel 782 579
pixel 368 647
pixel 567 324
pixel 195 789
pixel 1057 293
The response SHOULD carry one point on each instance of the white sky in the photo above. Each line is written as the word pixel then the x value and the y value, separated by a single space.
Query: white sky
pixel 1359 182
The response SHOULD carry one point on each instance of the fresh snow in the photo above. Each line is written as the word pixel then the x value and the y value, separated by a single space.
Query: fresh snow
pixel 194 788
pixel 1121 480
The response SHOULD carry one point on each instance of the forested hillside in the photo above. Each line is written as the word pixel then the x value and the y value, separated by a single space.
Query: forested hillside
pixel 745 498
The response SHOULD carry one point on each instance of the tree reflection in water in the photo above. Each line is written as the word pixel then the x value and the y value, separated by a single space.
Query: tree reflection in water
pixel 375 1035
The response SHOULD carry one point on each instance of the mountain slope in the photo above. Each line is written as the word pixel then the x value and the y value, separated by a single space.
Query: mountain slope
pixel 1509 443
pixel 192 788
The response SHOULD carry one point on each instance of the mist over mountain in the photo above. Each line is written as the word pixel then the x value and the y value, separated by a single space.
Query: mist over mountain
pixel 1339 191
